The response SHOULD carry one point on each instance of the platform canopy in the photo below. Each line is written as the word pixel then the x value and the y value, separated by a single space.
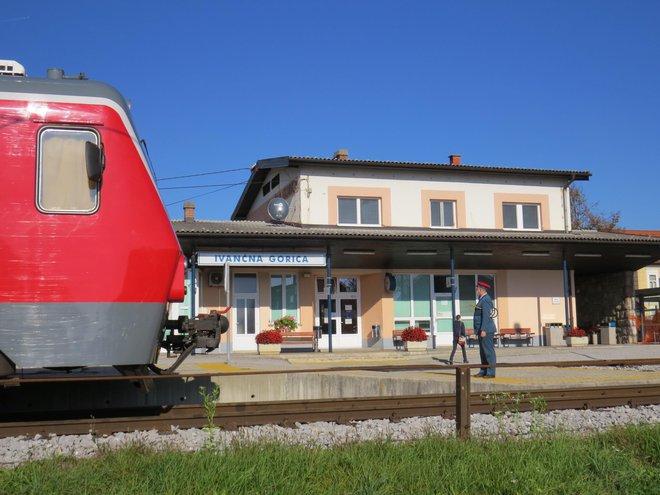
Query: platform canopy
pixel 405 248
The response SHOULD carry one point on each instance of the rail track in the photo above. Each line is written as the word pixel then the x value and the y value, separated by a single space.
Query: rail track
pixel 288 413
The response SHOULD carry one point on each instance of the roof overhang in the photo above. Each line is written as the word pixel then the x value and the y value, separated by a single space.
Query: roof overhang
pixel 590 252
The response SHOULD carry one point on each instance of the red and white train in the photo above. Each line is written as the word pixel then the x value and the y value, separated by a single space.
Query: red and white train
pixel 89 257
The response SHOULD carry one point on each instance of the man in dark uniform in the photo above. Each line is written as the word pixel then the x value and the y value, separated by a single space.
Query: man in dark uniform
pixel 484 327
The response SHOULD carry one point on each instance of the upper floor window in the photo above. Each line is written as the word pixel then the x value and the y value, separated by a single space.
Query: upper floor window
pixel 521 216
pixel 443 213
pixel 270 185
pixel 63 181
pixel 653 280
pixel 359 211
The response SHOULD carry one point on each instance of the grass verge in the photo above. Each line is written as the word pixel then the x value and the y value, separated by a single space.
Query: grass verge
pixel 622 460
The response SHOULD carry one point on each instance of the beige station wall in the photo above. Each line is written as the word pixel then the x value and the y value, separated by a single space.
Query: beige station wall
pixel 403 194
pixel 377 307
pixel 531 299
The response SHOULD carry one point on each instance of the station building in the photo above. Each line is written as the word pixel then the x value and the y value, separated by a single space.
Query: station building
pixel 391 244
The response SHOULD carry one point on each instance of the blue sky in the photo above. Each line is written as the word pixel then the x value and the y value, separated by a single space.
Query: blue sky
pixel 217 85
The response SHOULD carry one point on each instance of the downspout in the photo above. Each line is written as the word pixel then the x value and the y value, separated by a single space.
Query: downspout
pixel 452 274
pixel 566 297
pixel 193 283
pixel 566 203
pixel 328 285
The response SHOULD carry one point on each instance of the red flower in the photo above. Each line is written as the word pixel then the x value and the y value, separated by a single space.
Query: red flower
pixel 577 332
pixel 269 337
pixel 414 334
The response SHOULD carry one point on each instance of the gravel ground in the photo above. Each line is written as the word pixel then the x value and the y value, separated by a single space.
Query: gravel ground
pixel 14 451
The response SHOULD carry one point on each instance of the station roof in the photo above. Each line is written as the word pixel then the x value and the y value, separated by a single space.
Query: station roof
pixel 586 251
pixel 261 169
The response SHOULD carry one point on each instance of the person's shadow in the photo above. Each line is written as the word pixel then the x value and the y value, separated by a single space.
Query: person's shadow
pixel 443 361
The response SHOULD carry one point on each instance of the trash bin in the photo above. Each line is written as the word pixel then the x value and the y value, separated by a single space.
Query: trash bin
pixel 608 334
pixel 553 334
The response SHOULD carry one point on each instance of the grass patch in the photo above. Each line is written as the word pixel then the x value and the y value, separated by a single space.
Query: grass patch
pixel 623 460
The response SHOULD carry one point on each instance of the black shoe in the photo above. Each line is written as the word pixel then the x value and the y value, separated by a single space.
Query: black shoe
pixel 466 362
pixel 479 375
pixel 489 376
pixel 451 362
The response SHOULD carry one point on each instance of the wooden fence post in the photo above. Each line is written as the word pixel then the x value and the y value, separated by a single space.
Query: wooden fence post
pixel 463 402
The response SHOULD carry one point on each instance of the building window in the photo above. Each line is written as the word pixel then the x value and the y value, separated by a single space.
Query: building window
pixel 63 184
pixel 443 213
pixel 521 216
pixel 653 280
pixel 283 296
pixel 359 211
pixel 412 301
pixel 270 185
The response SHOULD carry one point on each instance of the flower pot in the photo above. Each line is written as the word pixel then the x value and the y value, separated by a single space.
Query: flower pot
pixel 413 346
pixel 577 341
pixel 269 349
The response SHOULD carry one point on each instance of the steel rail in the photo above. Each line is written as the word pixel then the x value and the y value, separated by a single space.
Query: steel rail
pixel 288 413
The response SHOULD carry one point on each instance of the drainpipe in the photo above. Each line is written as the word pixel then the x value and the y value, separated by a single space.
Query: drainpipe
pixel 328 284
pixel 566 203
pixel 452 274
pixel 193 284
pixel 566 297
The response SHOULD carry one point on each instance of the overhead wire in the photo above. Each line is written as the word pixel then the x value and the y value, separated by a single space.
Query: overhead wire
pixel 206 193
pixel 220 187
pixel 204 173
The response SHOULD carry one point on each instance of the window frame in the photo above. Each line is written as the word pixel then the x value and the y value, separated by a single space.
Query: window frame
pixel 39 182
pixel 441 203
pixel 358 211
pixel 284 309
pixel 520 216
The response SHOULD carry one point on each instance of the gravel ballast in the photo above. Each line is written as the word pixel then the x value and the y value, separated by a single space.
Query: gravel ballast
pixel 17 450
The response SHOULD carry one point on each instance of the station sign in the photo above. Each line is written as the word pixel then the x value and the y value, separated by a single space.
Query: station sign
pixel 251 258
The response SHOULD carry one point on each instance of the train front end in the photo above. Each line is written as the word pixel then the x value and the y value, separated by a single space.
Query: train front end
pixel 90 259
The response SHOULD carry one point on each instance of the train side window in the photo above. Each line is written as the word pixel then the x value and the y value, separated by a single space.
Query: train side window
pixel 63 184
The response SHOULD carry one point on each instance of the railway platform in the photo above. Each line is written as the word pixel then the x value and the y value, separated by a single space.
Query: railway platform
pixel 365 373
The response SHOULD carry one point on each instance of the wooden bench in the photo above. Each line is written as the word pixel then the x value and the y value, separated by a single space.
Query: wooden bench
pixel 517 334
pixel 470 337
pixel 473 339
pixel 301 338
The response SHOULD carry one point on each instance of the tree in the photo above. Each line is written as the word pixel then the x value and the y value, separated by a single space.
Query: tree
pixel 585 217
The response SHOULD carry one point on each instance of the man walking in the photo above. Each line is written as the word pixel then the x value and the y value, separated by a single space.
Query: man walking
pixel 484 327
pixel 459 339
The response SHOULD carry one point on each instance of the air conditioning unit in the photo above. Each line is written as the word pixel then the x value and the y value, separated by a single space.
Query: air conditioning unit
pixel 216 279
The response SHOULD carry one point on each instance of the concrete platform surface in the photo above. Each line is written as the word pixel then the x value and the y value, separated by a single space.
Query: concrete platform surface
pixel 250 387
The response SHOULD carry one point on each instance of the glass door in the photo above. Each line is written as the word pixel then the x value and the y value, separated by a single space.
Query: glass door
pixel 245 315
pixel 346 322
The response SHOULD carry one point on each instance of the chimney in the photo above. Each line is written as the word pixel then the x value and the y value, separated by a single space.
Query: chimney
pixel 341 154
pixel 189 211
pixel 454 159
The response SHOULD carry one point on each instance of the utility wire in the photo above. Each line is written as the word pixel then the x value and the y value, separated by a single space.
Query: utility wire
pixel 206 193
pixel 200 186
pixel 205 173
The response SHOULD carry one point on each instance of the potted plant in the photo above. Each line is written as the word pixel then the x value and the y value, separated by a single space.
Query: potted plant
pixel 577 337
pixel 285 324
pixel 414 339
pixel 269 341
